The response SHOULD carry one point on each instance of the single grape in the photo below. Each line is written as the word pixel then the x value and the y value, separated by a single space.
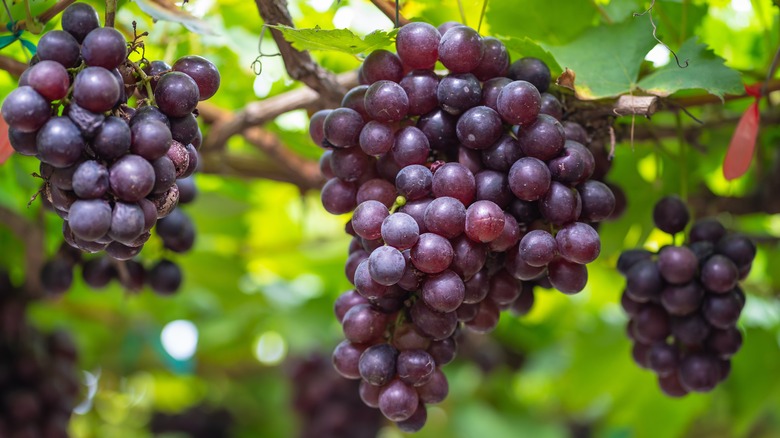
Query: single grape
pixel 455 180
pixel 378 190
pixel 202 71
pixel 670 215
pixel 386 265
pixel 484 221
pixel 417 44
pixel 494 62
pixel 598 201
pixel 367 219
pixel 342 127
pixel 98 272
pixel 398 401
pixel 50 79
pixel 386 101
pixel 432 253
pixel 706 230
pixel 568 277
pixel 59 142
pixel 719 274
pixel 439 127
pixel 459 92
pixel 538 248
pixel 90 180
pixel 112 140
pixel 420 87
pixel 663 359
pixel 346 357
pixel 104 47
pixel 96 89
pixel 445 216
pixel 699 372
pixel 532 70
pixel 432 323
pixel 414 182
pixel 150 139
pixel 377 364
pixel 176 94
pixel 479 127
pixel 529 179
pixel 382 65
pixel 691 330
pixel 551 106
pixel 519 103
pixel 502 154
pixel 410 147
pixel 443 292
pixel 79 19
pixel 578 242
pixel 682 299
pixel 560 205
pixel 350 164
pixel 59 46
pixel 131 178
pixel 543 138
pixel 25 110
pixel 468 256
pixel 90 219
pixel 177 231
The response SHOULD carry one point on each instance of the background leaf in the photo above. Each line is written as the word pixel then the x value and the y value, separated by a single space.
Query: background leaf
pixel 522 47
pixel 705 70
pixel 340 40
pixel 606 59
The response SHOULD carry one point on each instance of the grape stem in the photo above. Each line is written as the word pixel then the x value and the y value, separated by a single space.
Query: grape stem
pixel 146 80
pixel 390 12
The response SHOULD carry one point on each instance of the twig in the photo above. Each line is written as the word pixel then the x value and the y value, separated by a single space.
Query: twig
pixel 253 167
pixel 462 12
pixel 46 16
pixel 482 14
pixel 226 125
pixel 12 66
pixel 655 28
pixel 110 12
pixel 300 65
pixel 389 9
pixel 770 73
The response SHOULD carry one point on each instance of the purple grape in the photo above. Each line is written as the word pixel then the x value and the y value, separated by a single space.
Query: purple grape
pixel 682 299
pixel 490 90
pixel 417 44
pixel 544 138
pixel 663 359
pixel 362 324
pixel 479 127
pixel 150 139
pixel 445 216
pixel 350 164
pixel 386 101
pixel 104 47
pixel 725 342
pixel 202 71
pixel 691 330
pixel 90 219
pixel 502 154
pixel 376 138
pixel 414 182
pixel 346 357
pixel 532 70
pixel 378 190
pixel 519 103
pixel 50 79
pixel 538 248
pixel 113 139
pixel 25 110
pixel 90 180
pixel 493 186
pixel 568 277
pixel 432 323
pixel 560 205
pixel 59 142
pixel 59 46
pixel 468 257
pixel 365 284
pixel 377 364
pixel 420 87
pixel 454 180
pixel 494 62
pixel 131 178
pixel 551 106
pixel 443 292
pixel 381 65
pixel 578 242
pixel 670 215
pixel 719 274
pixel 699 372
pixel 386 265
pixel 367 219
pixel 439 127
pixel 338 197
pixel 460 49
pixel 410 147
pixel 96 89
pixel 722 310
pixel 400 230
pixel 529 179
pixel 484 221
pixel 432 253
pixel 176 94
pixel 79 19
pixel 598 201
pixel 23 142
pixel 706 230
pixel 398 401
pixel 459 92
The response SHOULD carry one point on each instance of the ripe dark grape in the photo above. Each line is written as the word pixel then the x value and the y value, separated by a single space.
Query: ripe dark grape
pixel 722 310
pixel 568 277
pixel 439 127
pixel 560 205
pixel 79 19
pixel 479 127
pixel 544 138
pixel 739 249
pixel 551 106
pixel 398 401
pixel 386 265
pixel 484 221
pixel 25 110
pixel 202 71
pixel 455 180
pixel 59 142
pixel 386 101
pixel 90 180
pixel 418 45
pixel 96 89
pixel 445 216
pixel 346 357
pixel 529 179
pixel 494 62
pixel 598 201
pixel 420 87
pixel 502 154
pixel 113 139
pixel 176 94
pixel 342 127
pixel 578 242
pixel 382 65
pixel 460 49
pixel 90 219
pixel 50 79
pixel 367 219
pixel 378 190
pixel 165 277
pixel 59 46
pixel 414 182
pixel 377 364
pixel 376 138
pixel 682 299
pixel 131 178
pixel 410 147
pixel 670 215
pixel 104 47
pixel 459 92
pixel 519 103
pixel 443 292
pixel 532 70
pixel 400 230
pixel 719 274
pixel 23 142
pixel 432 253
pixel 699 372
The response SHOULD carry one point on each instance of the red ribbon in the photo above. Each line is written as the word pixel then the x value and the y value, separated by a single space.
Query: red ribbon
pixel 743 142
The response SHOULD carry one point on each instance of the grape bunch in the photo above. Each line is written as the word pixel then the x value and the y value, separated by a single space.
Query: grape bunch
pixel 684 301
pixel 177 233
pixel 466 192
pixel 110 170
pixel 39 384
pixel 328 406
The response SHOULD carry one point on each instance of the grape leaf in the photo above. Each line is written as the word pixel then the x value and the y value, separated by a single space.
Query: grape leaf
pixel 528 18
pixel 521 47
pixel 705 70
pixel 606 59
pixel 5 144
pixel 341 40
pixel 166 10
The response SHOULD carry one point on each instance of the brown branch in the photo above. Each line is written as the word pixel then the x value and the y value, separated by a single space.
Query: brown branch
pixel 226 125
pixel 300 65
pixel 253 167
pixel 12 66
pixel 388 8
pixel 46 16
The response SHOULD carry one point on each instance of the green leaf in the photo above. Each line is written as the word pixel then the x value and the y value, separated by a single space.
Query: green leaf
pixel 340 40
pixel 522 47
pixel 533 20
pixel 606 59
pixel 705 70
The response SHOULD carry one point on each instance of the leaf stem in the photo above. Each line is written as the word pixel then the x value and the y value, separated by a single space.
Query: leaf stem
pixel 482 14
pixel 146 80
pixel 462 12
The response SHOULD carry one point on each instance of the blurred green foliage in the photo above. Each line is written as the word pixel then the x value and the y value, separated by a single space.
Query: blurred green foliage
pixel 268 263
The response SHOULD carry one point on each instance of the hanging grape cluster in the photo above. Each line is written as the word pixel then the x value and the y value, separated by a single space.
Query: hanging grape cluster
pixel 684 301
pixel 110 170
pixel 39 384
pixel 177 234
pixel 466 192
